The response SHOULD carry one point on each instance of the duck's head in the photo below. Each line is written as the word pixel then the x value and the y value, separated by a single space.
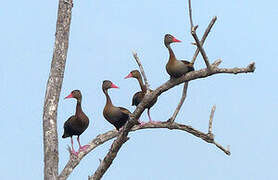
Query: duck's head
pixel 75 94
pixel 133 74
pixel 106 84
pixel 168 39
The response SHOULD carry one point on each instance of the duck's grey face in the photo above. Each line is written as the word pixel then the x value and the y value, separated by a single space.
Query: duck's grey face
pixel 168 39
pixel 133 74
pixel 108 84
pixel 74 94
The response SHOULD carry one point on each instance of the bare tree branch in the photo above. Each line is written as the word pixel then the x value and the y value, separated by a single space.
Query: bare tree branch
pixel 202 73
pixel 141 69
pixel 210 119
pixel 53 89
pixel 190 14
pixel 216 63
pixel 100 139
pixel 111 155
pixel 74 161
pixel 184 92
pixel 227 151
pixel 193 32
pixel 204 38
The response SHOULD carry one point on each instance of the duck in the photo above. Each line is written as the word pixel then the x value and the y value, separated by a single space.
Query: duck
pixel 117 116
pixel 138 96
pixel 175 68
pixel 76 124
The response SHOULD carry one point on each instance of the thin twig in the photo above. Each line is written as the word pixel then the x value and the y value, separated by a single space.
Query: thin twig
pixel 227 151
pixel 210 119
pixel 193 32
pixel 190 13
pixel 141 69
pixel 184 92
pixel 216 63
pixel 203 38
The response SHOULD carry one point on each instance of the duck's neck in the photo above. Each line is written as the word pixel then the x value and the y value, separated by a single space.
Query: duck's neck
pixel 78 111
pixel 142 85
pixel 172 57
pixel 108 100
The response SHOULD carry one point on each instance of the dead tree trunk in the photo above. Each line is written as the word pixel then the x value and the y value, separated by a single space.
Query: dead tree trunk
pixel 53 89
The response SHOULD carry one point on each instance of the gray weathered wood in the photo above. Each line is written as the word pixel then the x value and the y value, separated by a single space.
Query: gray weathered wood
pixel 53 89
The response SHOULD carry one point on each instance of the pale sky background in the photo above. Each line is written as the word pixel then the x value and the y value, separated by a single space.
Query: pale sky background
pixel 103 34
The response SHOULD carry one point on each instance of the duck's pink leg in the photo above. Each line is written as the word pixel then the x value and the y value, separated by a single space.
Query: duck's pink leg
pixel 72 149
pixel 81 148
pixel 141 122
pixel 150 119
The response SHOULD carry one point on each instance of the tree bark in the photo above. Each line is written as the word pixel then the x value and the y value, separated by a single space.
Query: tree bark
pixel 53 89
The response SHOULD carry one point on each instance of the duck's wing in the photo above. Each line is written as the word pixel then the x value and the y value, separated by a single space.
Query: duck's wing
pixel 69 129
pixel 121 118
pixel 137 98
pixel 188 64
pixel 124 110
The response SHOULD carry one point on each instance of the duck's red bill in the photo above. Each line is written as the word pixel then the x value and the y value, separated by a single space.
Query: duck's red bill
pixel 128 76
pixel 69 96
pixel 175 40
pixel 114 86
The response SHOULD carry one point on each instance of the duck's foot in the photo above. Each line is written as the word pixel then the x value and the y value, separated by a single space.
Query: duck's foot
pixel 83 148
pixel 142 123
pixel 154 122
pixel 74 153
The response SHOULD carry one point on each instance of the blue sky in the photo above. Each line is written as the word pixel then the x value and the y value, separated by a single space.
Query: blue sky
pixel 103 35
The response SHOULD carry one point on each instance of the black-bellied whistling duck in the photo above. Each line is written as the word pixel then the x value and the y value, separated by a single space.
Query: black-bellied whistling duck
pixel 117 116
pixel 138 97
pixel 175 68
pixel 77 123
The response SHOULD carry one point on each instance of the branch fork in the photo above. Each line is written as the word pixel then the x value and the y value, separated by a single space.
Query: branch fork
pixel 200 47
